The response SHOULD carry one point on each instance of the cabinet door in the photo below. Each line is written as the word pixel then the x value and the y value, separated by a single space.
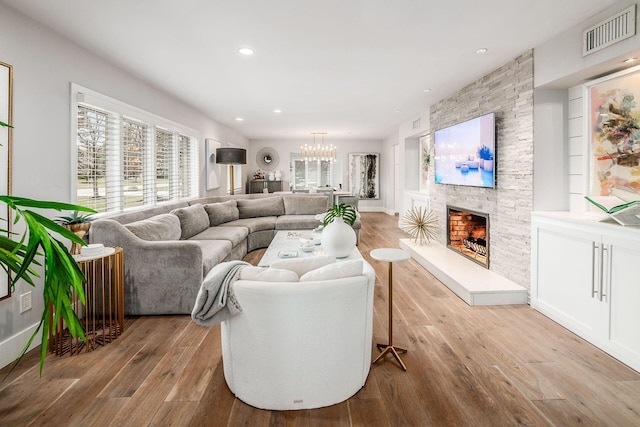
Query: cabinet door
pixel 567 280
pixel 274 186
pixel 624 300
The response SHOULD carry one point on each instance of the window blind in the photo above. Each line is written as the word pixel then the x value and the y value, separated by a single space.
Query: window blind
pixel 126 158
pixel 91 145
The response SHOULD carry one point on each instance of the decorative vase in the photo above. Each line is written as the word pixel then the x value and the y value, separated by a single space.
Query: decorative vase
pixel 338 238
pixel 488 165
pixel 278 175
pixel 272 176
pixel 79 230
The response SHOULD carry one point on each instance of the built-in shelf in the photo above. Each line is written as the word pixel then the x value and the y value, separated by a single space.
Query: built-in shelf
pixel 474 284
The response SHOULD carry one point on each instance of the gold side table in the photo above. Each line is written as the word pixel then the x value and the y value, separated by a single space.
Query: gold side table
pixel 103 314
pixel 390 255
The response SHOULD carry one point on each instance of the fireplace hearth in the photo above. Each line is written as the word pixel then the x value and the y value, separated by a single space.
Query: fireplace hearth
pixel 468 234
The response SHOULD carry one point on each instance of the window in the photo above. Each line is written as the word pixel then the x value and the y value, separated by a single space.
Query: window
pixel 314 173
pixel 127 158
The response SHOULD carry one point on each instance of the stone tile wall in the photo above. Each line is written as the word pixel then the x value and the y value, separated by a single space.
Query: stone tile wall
pixel 507 92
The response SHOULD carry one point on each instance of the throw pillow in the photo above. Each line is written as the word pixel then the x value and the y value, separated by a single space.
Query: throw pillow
pixel 338 270
pixel 219 213
pixel 264 206
pixel 300 266
pixel 305 205
pixel 193 220
pixel 262 274
pixel 156 228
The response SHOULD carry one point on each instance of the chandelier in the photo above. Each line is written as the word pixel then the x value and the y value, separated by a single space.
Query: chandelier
pixel 318 151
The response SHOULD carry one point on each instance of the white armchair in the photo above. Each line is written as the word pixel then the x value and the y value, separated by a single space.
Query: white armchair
pixel 299 345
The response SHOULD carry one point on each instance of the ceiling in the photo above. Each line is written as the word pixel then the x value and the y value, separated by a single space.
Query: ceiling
pixel 354 69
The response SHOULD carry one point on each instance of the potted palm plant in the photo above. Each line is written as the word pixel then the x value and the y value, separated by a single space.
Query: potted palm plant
pixel 41 244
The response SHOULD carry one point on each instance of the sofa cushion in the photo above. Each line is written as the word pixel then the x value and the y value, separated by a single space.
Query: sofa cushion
pixel 296 222
pixel 213 253
pixel 300 266
pixel 193 220
pixel 262 274
pixel 266 206
pixel 305 205
pixel 159 227
pixel 254 224
pixel 339 270
pixel 219 213
pixel 235 235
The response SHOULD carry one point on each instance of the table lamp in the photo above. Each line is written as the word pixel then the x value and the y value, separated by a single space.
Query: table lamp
pixel 231 156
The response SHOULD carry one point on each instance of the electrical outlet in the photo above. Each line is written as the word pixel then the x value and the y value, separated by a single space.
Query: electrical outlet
pixel 25 302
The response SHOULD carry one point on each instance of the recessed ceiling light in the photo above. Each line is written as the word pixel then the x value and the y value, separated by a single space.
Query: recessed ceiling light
pixel 245 51
pixel 427 90
pixel 482 50
pixel 626 61
pixel 239 119
pixel 277 111
pixel 398 111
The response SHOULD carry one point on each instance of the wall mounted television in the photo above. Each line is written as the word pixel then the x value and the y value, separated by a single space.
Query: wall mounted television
pixel 465 153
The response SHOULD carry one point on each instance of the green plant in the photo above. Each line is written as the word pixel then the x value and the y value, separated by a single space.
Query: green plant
pixel 38 245
pixel 346 212
pixel 75 218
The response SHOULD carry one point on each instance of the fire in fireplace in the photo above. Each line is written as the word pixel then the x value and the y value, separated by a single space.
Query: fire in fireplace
pixel 468 234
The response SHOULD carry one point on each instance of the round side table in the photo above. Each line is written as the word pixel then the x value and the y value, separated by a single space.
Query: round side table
pixel 390 255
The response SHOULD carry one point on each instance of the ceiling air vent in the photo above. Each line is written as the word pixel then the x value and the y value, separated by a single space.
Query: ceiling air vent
pixel 612 30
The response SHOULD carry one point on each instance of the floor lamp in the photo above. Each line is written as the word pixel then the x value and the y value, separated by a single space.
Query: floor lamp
pixel 231 156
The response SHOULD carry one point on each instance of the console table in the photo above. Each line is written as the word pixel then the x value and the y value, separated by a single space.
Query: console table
pixel 259 185
pixel 102 316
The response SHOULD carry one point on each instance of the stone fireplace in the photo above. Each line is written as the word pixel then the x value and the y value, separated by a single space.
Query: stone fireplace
pixel 468 234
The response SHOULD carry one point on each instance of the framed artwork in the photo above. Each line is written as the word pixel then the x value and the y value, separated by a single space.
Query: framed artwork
pixel 211 168
pixel 6 93
pixel 364 175
pixel 614 132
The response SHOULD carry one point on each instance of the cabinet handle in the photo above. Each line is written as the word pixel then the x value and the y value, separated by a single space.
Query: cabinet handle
pixel 604 252
pixel 594 248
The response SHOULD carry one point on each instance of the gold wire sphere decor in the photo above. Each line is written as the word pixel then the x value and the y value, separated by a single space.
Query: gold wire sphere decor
pixel 421 224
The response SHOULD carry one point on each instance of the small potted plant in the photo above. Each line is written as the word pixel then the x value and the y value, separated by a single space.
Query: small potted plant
pixel 346 212
pixel 79 224
pixel 338 237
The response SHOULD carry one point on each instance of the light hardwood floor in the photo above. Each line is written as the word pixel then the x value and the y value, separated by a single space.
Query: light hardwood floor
pixel 477 366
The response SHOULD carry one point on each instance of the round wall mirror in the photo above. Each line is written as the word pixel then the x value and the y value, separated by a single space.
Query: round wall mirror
pixel 267 159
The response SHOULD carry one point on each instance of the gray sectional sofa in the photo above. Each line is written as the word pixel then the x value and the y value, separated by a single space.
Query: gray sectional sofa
pixel 168 249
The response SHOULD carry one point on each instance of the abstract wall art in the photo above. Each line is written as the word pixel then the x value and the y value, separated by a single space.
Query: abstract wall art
pixel 364 175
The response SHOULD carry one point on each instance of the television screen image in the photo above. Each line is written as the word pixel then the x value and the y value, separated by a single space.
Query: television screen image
pixel 465 153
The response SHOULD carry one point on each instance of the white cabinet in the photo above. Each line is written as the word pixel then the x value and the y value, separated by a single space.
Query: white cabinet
pixel 624 298
pixel 586 276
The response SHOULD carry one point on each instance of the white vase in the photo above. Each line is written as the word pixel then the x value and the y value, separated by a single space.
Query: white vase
pixel 338 238
pixel 278 175
pixel 272 176
pixel 488 165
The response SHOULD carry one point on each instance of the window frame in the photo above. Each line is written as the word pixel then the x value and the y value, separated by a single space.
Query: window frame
pixel 81 95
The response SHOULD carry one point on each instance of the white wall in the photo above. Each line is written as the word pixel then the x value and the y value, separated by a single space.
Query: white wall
pixel 392 186
pixel 559 73
pixel 44 66
pixel 286 147
pixel 550 154
pixel 559 62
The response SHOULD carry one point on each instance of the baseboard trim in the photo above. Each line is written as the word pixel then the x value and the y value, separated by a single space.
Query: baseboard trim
pixel 10 348
pixel 371 209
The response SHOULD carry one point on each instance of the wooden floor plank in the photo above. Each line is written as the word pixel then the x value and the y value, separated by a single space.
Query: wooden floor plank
pixel 504 365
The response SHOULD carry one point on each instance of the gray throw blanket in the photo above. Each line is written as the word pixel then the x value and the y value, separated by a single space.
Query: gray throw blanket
pixel 215 301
